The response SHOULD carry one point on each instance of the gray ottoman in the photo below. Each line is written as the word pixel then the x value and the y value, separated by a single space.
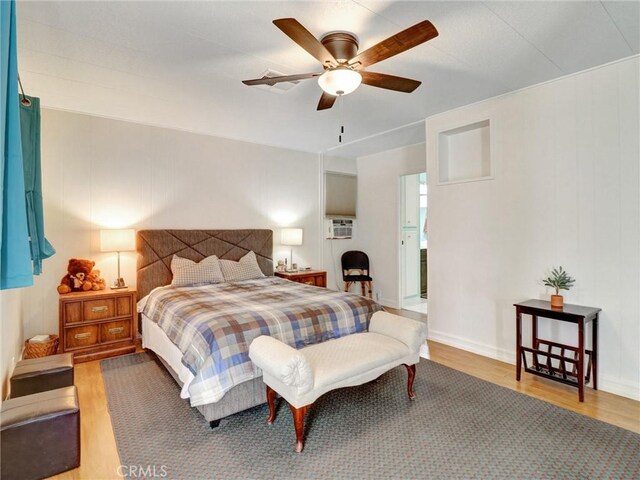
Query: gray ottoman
pixel 36 375
pixel 40 434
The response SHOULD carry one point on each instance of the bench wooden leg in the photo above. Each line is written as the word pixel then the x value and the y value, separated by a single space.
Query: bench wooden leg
pixel 298 421
pixel 271 400
pixel 411 370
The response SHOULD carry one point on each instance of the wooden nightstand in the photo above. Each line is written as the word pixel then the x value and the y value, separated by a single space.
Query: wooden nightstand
pixel 100 324
pixel 309 277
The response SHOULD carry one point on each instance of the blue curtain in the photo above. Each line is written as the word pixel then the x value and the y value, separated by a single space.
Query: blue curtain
pixel 30 132
pixel 15 257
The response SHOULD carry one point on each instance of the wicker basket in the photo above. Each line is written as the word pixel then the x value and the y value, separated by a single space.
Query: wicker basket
pixel 41 349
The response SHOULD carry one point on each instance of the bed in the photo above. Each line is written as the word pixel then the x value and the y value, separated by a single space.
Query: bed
pixel 296 313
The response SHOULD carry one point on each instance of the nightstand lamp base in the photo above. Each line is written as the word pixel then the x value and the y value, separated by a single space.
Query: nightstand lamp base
pixel 119 284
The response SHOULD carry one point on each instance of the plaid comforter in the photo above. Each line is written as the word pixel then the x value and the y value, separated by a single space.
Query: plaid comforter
pixel 213 325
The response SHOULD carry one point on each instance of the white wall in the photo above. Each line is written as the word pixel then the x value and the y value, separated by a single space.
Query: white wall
pixel 11 328
pixel 566 192
pixel 101 173
pixel 379 211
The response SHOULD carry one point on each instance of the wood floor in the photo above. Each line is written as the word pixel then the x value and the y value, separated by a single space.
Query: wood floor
pixel 100 456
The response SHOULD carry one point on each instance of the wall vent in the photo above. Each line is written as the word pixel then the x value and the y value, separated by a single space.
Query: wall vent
pixel 281 87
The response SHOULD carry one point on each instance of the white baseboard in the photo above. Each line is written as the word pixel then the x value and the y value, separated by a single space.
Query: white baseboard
pixel 623 388
pixel 507 356
pixel 388 302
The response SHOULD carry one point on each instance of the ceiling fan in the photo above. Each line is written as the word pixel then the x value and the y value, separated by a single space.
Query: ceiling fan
pixel 343 65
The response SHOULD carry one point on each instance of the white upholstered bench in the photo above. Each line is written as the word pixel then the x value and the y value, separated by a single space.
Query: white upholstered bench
pixel 302 376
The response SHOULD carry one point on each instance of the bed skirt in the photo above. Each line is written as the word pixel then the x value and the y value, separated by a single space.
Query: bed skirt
pixel 241 397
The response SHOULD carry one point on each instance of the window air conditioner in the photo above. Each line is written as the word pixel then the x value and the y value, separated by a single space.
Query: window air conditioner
pixel 339 228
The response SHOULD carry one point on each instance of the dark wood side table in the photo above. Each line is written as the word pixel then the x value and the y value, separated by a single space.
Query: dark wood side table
pixel 543 360
pixel 308 277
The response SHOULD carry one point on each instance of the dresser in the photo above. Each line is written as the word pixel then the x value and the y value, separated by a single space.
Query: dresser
pixel 96 325
pixel 308 277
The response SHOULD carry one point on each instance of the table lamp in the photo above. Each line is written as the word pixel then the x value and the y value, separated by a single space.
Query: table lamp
pixel 291 237
pixel 122 240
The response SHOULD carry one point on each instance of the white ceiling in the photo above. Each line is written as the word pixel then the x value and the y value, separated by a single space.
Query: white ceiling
pixel 180 64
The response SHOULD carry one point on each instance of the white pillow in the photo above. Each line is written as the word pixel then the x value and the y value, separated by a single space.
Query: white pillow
pixel 187 272
pixel 244 269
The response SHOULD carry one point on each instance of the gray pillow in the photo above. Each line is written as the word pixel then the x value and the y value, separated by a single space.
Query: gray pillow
pixel 246 268
pixel 187 272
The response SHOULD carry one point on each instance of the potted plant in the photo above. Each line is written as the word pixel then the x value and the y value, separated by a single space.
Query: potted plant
pixel 560 280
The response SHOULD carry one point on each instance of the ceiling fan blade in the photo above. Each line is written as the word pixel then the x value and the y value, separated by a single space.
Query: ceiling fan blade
pixel 286 78
pixel 296 32
pixel 390 82
pixel 326 101
pixel 398 43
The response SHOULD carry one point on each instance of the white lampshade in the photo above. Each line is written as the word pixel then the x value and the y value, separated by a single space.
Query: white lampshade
pixel 339 81
pixel 122 240
pixel 291 236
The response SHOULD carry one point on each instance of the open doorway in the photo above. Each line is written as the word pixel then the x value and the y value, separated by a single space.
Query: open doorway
pixel 413 243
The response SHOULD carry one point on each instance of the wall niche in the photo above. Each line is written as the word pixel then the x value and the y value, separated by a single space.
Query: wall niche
pixel 464 153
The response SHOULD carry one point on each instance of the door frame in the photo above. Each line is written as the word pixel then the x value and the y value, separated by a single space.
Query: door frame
pixel 399 238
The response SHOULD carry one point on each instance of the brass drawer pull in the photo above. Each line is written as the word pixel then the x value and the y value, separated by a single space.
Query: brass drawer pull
pixel 309 282
pixel 82 336
pixel 104 308
pixel 116 330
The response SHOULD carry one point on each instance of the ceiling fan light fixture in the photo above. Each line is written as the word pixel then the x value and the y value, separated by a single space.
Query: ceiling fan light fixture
pixel 339 81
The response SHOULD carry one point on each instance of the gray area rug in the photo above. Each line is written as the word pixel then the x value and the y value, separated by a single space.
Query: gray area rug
pixel 458 427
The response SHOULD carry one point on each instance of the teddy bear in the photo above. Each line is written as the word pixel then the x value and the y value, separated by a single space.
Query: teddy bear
pixel 81 277
pixel 97 282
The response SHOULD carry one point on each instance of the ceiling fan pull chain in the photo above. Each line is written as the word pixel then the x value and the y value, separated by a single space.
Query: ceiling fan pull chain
pixel 340 100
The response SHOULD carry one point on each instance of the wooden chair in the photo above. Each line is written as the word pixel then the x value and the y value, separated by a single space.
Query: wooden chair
pixel 355 268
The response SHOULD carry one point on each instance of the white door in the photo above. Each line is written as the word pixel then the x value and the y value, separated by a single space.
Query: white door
pixel 411 210
pixel 410 240
pixel 411 281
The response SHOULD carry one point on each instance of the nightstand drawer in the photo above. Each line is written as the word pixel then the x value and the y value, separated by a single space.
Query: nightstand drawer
pixel 316 279
pixel 72 312
pixel 99 309
pixel 123 305
pixel 113 331
pixel 81 336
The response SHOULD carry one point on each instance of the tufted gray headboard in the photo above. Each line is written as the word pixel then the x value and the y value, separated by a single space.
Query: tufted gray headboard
pixel 156 249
